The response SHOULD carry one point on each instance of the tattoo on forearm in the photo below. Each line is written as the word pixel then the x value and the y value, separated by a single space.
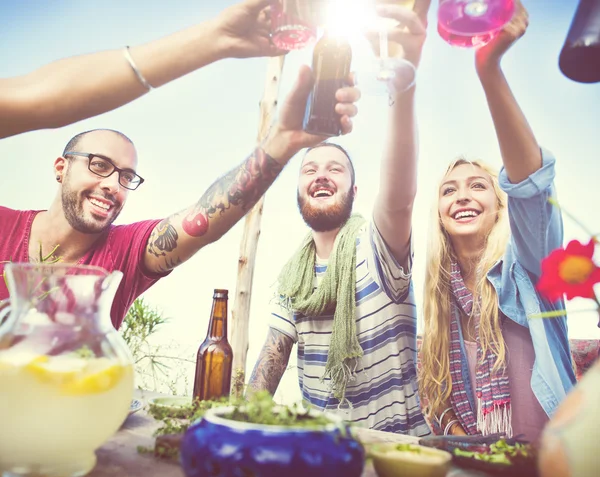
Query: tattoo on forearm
pixel 241 187
pixel 170 264
pixel 272 362
pixel 163 239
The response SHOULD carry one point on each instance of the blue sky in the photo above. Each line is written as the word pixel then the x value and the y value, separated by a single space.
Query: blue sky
pixel 195 129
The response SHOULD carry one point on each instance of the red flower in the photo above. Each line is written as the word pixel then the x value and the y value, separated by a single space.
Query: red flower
pixel 570 271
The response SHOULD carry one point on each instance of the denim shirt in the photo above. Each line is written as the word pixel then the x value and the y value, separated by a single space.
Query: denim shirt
pixel 536 229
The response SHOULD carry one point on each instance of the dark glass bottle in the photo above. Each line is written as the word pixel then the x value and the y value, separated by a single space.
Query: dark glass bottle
pixel 332 57
pixel 215 356
pixel 580 56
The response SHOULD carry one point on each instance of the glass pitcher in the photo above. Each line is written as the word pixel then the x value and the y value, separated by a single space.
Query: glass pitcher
pixel 66 375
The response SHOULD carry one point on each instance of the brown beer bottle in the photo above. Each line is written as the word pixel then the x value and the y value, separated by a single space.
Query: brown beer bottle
pixel 215 356
pixel 332 57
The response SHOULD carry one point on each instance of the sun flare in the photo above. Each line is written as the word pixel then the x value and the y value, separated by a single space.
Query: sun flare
pixel 352 19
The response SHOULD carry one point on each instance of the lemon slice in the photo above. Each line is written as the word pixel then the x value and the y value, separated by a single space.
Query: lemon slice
pixel 100 375
pixel 55 370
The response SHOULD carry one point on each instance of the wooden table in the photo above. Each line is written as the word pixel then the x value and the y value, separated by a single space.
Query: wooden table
pixel 119 457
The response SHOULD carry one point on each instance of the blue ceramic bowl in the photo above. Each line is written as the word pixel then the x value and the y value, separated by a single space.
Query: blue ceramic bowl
pixel 219 447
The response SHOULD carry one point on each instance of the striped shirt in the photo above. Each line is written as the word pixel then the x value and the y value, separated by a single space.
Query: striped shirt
pixel 384 392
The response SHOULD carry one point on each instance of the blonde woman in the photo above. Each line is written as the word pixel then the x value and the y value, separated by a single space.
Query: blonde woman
pixel 486 366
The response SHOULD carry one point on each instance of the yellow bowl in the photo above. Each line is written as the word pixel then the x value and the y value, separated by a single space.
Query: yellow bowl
pixel 409 460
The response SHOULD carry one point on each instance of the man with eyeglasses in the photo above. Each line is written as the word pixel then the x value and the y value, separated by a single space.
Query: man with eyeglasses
pixel 98 169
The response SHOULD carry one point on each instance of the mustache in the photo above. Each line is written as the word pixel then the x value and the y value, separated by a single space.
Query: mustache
pixel 105 195
pixel 322 184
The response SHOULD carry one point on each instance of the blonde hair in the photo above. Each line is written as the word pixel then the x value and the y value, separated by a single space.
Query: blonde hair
pixel 435 382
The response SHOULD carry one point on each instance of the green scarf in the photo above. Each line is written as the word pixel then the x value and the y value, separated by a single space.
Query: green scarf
pixel 336 290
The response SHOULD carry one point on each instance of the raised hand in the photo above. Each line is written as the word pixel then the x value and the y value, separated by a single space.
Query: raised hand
pixel 490 55
pixel 243 30
pixel 409 34
pixel 287 132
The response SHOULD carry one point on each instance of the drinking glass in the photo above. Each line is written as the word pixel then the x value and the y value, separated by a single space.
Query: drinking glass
pixel 390 73
pixel 473 23
pixel 292 25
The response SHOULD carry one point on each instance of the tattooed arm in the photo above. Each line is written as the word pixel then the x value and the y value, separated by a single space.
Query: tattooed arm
pixel 271 363
pixel 178 237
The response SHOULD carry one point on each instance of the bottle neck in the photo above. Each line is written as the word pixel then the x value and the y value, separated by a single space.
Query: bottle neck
pixel 217 327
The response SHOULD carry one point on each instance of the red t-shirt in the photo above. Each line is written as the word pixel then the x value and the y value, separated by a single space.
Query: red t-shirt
pixel 122 248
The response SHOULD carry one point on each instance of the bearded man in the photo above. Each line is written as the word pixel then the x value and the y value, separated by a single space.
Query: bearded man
pixel 345 297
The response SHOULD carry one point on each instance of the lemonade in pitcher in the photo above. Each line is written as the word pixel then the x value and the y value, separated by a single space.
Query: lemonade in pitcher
pixel 58 408
pixel 66 376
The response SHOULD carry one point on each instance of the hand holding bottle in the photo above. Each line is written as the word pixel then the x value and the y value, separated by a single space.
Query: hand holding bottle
pixel 287 137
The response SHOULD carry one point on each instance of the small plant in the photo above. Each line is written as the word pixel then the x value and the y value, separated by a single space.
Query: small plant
pixel 151 361
pixel 258 408
pixel 261 409
pixel 237 383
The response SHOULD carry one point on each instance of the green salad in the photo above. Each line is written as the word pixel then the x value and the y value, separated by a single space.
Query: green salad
pixel 500 452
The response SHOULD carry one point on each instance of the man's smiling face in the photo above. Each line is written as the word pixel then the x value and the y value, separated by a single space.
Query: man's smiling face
pixel 325 189
pixel 92 203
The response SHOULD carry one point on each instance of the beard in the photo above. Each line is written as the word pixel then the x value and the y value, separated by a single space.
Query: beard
pixel 72 204
pixel 325 219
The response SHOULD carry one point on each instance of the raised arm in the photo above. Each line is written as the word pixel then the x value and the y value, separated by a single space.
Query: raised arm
pixel 181 235
pixel 398 177
pixel 520 151
pixel 76 88
pixel 272 362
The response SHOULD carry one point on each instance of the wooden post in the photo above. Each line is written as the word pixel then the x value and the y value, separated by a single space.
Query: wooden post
pixel 240 315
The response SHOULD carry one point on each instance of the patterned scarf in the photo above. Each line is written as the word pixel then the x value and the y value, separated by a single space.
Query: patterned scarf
pixel 336 291
pixel 491 387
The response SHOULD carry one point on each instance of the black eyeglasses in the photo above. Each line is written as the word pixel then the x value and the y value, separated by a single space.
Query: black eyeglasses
pixel 102 166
